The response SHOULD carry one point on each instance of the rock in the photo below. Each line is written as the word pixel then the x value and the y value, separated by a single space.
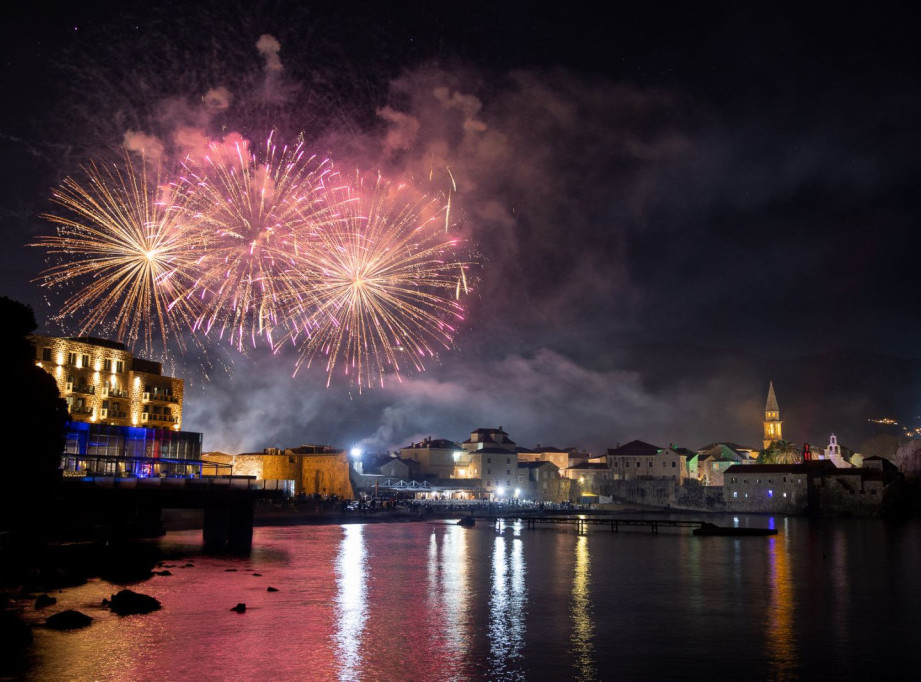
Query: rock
pixel 164 572
pixel 187 566
pixel 44 600
pixel 127 603
pixel 271 589
pixel 257 575
pixel 230 570
pixel 239 608
pixel 68 620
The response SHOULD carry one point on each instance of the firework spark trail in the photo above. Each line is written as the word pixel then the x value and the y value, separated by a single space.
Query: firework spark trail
pixel 383 285
pixel 125 253
pixel 257 219
pixel 277 248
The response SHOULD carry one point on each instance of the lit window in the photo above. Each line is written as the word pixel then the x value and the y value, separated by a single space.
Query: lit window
pixel 770 493
pixel 735 494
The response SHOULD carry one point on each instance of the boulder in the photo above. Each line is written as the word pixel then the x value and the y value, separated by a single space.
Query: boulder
pixel 68 620
pixel 44 600
pixel 271 589
pixel 127 603
pixel 239 608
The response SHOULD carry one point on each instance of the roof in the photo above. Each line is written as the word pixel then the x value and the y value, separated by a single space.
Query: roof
pixel 535 465
pixel 801 468
pixel 588 466
pixel 438 444
pixel 635 448
pixel 486 436
pixel 493 451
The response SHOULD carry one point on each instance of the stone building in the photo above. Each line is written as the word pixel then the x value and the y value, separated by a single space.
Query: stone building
pixel 637 459
pixel 104 383
pixel 438 458
pixel 315 469
pixel 768 488
pixel 541 482
pixel 816 487
pixel 497 469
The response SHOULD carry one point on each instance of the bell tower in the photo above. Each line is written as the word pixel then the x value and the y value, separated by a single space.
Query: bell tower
pixel 772 422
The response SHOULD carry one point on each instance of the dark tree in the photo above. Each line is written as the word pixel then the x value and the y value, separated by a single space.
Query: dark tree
pixel 34 421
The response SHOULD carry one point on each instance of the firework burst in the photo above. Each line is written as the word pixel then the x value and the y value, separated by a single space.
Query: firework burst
pixel 256 219
pixel 125 252
pixel 384 285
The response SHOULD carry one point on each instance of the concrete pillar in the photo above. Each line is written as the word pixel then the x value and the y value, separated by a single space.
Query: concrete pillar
pixel 215 526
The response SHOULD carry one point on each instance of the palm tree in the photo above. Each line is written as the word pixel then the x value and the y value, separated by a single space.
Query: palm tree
pixel 780 452
pixel 786 452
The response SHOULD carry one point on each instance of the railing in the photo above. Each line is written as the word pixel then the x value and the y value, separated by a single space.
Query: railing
pixel 162 397
pixel 81 410
pixel 113 393
pixel 88 390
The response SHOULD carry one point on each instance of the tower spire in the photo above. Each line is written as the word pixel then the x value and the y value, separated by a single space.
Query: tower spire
pixel 772 421
pixel 771 404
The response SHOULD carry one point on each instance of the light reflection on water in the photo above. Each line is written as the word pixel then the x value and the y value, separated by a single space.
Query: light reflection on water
pixel 779 637
pixel 507 605
pixel 351 578
pixel 582 614
pixel 436 601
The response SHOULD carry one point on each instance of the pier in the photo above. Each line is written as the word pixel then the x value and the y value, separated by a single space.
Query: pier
pixel 615 524
pixel 133 506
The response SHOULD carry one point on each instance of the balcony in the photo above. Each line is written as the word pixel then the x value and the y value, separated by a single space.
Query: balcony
pixel 117 393
pixel 86 390
pixel 81 410
pixel 159 396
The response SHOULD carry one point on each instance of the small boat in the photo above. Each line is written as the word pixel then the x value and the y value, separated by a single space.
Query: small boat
pixel 467 522
pixel 713 529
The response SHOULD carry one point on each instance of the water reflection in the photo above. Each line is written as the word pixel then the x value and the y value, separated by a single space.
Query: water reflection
pixel 581 614
pixel 507 608
pixel 351 606
pixel 448 591
pixel 781 648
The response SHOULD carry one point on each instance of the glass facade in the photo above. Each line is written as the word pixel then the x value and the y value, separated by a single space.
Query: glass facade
pixel 130 451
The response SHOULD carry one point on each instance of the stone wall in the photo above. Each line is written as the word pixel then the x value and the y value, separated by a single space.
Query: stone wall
pixel 323 474
pixel 658 491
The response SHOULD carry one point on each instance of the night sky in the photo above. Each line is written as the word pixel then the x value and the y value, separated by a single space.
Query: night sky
pixel 732 176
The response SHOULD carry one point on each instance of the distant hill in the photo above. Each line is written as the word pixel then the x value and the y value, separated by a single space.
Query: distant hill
pixel 834 392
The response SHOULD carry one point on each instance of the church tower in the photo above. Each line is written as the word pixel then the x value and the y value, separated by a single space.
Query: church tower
pixel 772 421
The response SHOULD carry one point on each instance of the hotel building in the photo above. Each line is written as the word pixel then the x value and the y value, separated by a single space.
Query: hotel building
pixel 104 383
